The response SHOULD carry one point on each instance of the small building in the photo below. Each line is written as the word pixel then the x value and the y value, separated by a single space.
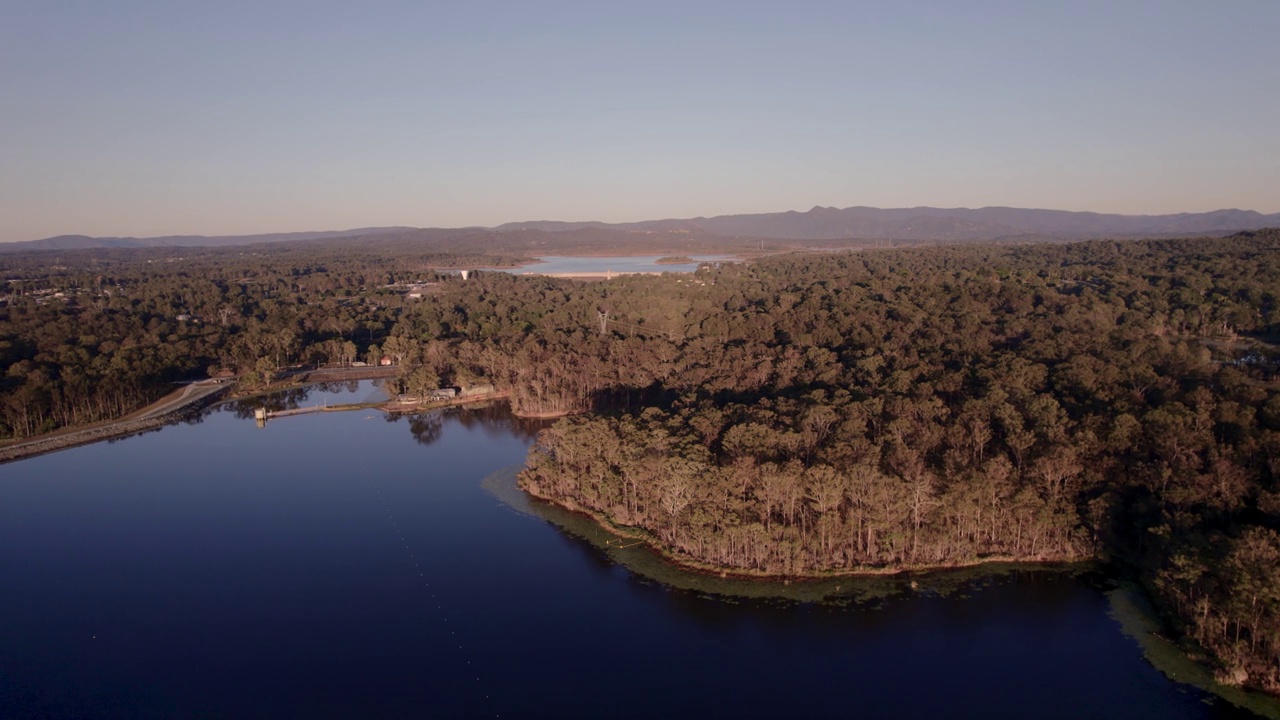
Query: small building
pixel 478 390
pixel 443 394
pixel 418 290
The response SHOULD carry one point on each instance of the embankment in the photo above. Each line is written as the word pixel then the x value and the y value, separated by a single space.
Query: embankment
pixel 107 431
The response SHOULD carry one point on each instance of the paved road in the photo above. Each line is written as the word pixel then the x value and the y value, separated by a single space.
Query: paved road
pixel 148 418
pixel 176 400
pixel 155 414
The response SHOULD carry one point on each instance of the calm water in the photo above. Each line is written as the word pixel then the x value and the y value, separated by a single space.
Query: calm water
pixel 554 264
pixel 340 565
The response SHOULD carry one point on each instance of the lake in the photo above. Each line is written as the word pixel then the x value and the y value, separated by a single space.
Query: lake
pixel 574 265
pixel 344 565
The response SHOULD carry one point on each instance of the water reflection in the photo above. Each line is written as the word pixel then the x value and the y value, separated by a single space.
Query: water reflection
pixel 426 428
pixel 496 420
pixel 609 549
pixel 293 398
pixel 332 567
pixel 493 418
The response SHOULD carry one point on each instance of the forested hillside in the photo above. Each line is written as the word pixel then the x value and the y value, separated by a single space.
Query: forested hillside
pixel 92 334
pixel 830 225
pixel 802 414
pixel 830 413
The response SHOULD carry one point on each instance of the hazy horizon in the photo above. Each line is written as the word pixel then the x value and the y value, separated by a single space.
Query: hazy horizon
pixel 300 230
pixel 142 118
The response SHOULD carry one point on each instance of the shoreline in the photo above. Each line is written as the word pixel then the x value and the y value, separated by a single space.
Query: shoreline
pixel 549 415
pixel 396 408
pixel 135 423
pixel 308 378
pixel 1130 607
pixel 1139 619
pixel 147 418
pixel 683 562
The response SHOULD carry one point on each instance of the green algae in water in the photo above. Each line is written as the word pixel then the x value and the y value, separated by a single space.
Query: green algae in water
pixel 643 562
pixel 1138 620
pixel 1135 616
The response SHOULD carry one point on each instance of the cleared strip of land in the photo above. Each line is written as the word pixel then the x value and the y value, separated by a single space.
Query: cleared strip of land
pixel 198 395
pixel 177 403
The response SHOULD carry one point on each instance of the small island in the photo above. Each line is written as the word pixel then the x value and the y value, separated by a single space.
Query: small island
pixel 674 260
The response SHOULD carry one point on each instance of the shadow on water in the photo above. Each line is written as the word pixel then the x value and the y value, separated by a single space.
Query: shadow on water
pixel 292 398
pixel 896 600
pixel 608 549
pixel 493 418
pixel 1138 620
pixel 294 590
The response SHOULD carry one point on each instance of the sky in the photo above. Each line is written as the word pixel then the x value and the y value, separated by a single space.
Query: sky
pixel 139 118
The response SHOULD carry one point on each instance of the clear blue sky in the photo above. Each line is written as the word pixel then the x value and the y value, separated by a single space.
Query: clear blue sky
pixel 126 117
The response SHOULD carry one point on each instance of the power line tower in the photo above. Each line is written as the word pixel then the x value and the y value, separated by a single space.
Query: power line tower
pixel 603 317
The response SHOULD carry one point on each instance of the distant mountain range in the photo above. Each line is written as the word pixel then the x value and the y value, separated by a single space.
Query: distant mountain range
pixel 928 223
pixel 86 242
pixel 818 224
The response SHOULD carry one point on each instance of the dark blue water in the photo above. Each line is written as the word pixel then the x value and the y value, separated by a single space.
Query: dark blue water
pixel 340 565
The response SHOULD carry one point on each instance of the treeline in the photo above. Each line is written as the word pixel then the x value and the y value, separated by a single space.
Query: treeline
pixel 934 407
pixel 800 414
pixel 94 334
pixel 807 487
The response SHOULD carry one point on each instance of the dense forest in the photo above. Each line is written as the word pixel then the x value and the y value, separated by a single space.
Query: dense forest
pixel 822 414
pixel 90 335
pixel 798 415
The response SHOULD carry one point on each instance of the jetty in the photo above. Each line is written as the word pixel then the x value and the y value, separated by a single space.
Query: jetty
pixel 261 415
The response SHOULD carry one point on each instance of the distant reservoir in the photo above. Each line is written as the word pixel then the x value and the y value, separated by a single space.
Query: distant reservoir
pixel 616 264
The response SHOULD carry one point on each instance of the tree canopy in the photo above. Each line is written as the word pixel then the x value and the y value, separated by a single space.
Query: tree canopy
pixel 800 414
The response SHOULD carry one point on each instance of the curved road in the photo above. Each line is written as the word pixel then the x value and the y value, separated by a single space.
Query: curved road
pixel 144 419
pixel 155 414
pixel 178 399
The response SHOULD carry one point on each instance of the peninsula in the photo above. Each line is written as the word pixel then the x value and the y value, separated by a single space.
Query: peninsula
pixel 807 414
